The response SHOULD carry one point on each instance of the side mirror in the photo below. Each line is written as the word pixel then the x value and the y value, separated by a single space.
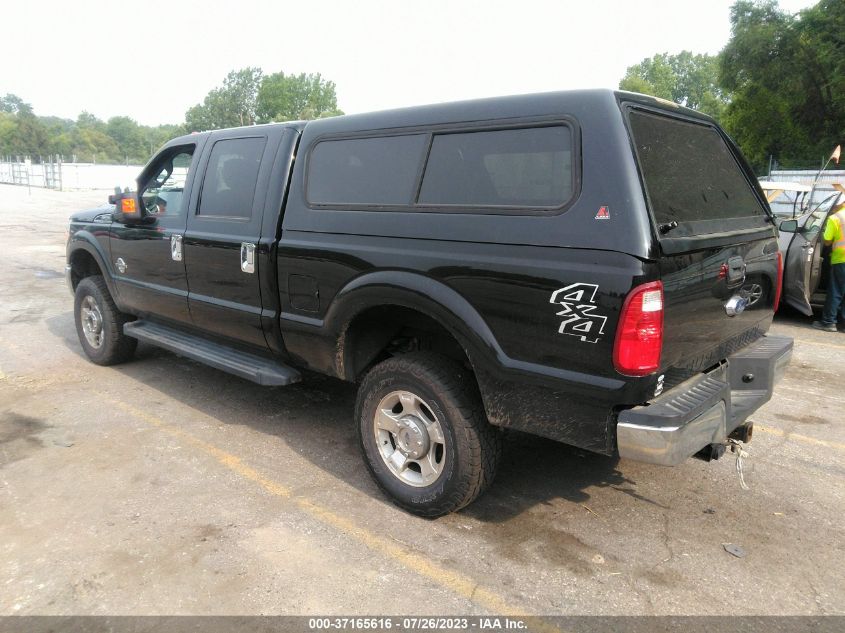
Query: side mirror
pixel 127 210
pixel 788 226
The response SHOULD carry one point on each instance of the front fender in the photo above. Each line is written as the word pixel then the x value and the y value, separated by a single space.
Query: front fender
pixel 84 240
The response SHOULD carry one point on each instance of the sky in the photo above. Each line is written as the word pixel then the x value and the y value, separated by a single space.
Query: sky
pixel 154 60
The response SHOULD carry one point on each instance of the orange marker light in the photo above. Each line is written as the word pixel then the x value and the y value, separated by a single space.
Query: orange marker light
pixel 127 205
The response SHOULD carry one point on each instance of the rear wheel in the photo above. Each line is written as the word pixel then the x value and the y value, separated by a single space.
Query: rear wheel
pixel 99 324
pixel 424 435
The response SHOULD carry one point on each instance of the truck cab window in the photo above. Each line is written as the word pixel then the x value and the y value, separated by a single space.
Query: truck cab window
pixel 162 194
pixel 229 184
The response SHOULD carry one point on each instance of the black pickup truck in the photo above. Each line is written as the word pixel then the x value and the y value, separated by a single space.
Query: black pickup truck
pixel 566 264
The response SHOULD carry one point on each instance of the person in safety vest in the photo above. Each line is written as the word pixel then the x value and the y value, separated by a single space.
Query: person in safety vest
pixel 834 305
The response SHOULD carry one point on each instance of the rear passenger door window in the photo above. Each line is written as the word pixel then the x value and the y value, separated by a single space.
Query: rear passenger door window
pixel 228 189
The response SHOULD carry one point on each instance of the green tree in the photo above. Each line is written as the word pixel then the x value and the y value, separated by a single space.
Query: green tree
pixel 246 97
pixel 91 145
pixel 21 133
pixel 233 104
pixel 786 74
pixel 86 120
pixel 127 134
pixel 14 105
pixel 155 137
pixel 212 114
pixel 686 78
pixel 55 127
pixel 296 97
pixel 241 87
pixel 31 137
pixel 8 132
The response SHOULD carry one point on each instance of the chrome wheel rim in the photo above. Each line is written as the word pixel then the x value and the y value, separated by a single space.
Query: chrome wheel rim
pixel 754 293
pixel 409 438
pixel 92 321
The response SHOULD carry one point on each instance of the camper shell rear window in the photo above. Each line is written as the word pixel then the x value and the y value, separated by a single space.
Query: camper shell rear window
pixel 693 182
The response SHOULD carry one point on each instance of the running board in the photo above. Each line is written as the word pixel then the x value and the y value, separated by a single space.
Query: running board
pixel 255 368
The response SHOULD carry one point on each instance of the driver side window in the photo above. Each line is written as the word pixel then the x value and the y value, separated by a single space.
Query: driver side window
pixel 163 193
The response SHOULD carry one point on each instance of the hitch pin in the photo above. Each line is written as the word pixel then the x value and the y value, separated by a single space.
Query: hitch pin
pixel 735 447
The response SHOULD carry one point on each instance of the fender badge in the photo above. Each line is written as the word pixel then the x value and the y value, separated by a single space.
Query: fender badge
pixel 603 213
pixel 121 265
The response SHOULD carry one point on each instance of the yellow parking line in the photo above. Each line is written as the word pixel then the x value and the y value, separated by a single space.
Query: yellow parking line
pixel 799 438
pixel 454 581
pixel 230 461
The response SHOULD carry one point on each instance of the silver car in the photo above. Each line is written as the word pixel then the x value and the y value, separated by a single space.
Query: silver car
pixel 805 268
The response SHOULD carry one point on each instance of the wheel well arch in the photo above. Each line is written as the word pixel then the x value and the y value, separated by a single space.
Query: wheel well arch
pixel 375 304
pixel 378 332
pixel 82 264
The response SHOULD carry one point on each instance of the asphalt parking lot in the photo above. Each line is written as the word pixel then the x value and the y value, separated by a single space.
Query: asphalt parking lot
pixel 166 487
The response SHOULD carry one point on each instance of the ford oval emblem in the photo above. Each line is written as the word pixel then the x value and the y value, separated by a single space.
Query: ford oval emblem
pixel 735 305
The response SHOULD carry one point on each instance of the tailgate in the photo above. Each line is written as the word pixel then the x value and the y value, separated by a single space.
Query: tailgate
pixel 717 242
pixel 698 329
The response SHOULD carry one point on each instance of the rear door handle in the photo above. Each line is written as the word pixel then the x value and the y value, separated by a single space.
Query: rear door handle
pixel 247 257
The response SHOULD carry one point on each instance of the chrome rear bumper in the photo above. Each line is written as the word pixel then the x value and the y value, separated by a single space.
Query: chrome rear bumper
pixel 705 408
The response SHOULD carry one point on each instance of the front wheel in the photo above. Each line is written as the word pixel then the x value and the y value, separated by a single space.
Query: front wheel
pixel 99 324
pixel 424 435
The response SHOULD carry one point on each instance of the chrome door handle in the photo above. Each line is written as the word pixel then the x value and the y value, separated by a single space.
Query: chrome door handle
pixel 247 257
pixel 176 248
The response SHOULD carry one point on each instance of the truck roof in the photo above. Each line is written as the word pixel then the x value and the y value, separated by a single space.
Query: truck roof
pixel 513 106
pixel 535 104
pixel 193 136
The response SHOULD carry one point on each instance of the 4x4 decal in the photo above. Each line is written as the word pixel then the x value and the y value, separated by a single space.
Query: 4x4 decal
pixel 579 318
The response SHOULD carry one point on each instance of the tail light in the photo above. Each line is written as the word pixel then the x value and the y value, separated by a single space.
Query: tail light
pixel 639 336
pixel 778 282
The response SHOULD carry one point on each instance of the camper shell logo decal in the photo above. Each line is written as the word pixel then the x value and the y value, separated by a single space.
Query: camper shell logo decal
pixel 579 317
